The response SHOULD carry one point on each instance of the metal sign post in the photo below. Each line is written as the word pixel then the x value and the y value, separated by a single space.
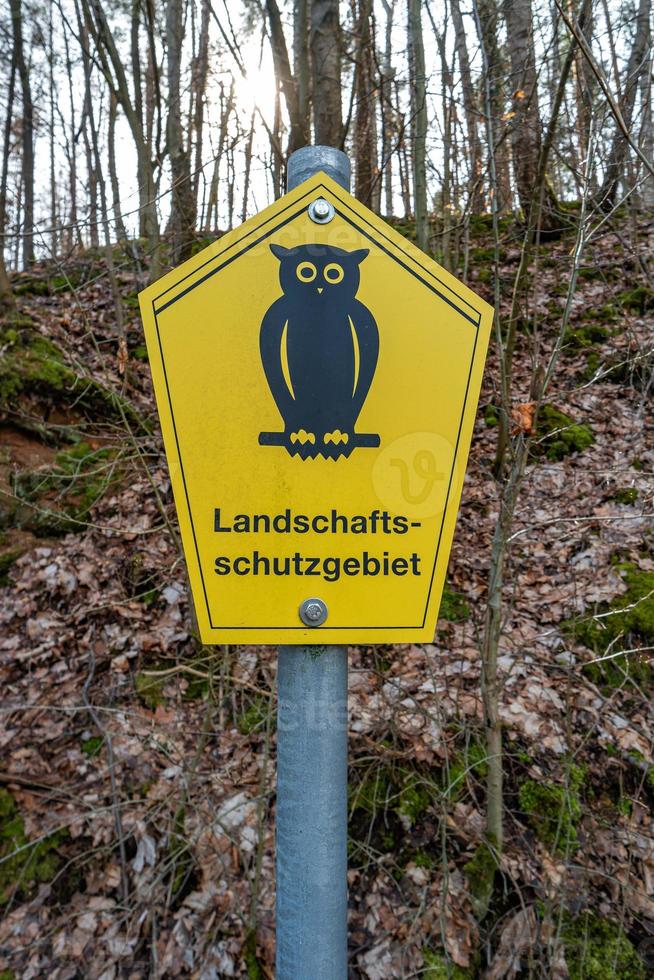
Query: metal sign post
pixel 312 760
pixel 317 378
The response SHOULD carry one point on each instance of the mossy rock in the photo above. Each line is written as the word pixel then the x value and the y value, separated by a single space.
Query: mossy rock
pixel 58 499
pixel 627 621
pixel 34 367
pixel 554 810
pixel 23 864
pixel 559 436
pixel 454 607
pixel 597 949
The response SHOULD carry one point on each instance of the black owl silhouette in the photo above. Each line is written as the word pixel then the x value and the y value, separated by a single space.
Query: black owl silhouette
pixel 319 348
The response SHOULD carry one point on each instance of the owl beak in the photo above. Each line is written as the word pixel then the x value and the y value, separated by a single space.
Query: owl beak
pixel 320 288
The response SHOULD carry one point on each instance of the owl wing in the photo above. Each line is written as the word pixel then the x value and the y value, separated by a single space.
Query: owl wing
pixel 272 338
pixel 366 341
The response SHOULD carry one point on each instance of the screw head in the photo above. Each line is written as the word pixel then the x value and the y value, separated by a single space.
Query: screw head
pixel 321 211
pixel 313 612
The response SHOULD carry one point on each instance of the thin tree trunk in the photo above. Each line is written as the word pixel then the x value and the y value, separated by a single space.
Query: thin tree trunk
pixel 183 197
pixel 301 67
pixel 248 166
pixel 471 110
pixel 53 172
pixel 7 300
pixel 27 132
pixel 200 72
pixel 525 124
pixel 638 62
pixel 326 64
pixel 365 129
pixel 121 232
pixel 385 91
pixel 418 121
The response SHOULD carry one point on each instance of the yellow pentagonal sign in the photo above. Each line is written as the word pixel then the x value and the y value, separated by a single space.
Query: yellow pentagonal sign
pixel 317 386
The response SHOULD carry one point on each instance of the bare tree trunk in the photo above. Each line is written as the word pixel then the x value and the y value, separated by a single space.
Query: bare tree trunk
pixel 638 62
pixel 288 84
pixel 301 67
pixel 365 129
pixel 113 70
pixel 385 95
pixel 69 126
pixel 487 17
pixel 121 232
pixel 471 110
pixel 248 167
pixel 183 197
pixel 53 172
pixel 326 64
pixel 27 132
pixel 647 135
pixel 418 121
pixel 200 72
pixel 92 221
pixel 525 124
pixel 97 167
pixel 7 300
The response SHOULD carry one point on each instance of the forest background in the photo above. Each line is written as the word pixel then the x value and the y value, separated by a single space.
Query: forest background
pixel 502 777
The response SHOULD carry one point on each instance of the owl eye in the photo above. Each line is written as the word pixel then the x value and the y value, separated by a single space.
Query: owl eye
pixel 333 273
pixel 306 272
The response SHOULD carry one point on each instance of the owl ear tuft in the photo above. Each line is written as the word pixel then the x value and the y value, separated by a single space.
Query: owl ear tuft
pixel 280 252
pixel 359 255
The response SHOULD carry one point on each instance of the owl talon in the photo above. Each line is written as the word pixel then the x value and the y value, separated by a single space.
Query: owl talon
pixel 302 436
pixel 336 437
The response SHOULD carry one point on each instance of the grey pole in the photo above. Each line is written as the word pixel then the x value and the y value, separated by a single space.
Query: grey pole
pixel 312 764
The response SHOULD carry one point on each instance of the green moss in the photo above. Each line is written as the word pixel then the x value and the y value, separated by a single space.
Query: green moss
pixel 626 495
pixel 596 949
pixel 250 958
pixel 421 859
pixel 491 416
pixel 149 690
pixel 471 761
pixel 581 338
pixel 437 966
pixel 32 365
pixel 61 496
pixel 24 865
pixel 7 975
pixel 140 353
pixel 559 436
pixel 255 716
pixel 402 791
pixel 640 299
pixel 7 559
pixel 554 810
pixel 453 606
pixel 629 624
pixel 93 746
pixel 480 872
